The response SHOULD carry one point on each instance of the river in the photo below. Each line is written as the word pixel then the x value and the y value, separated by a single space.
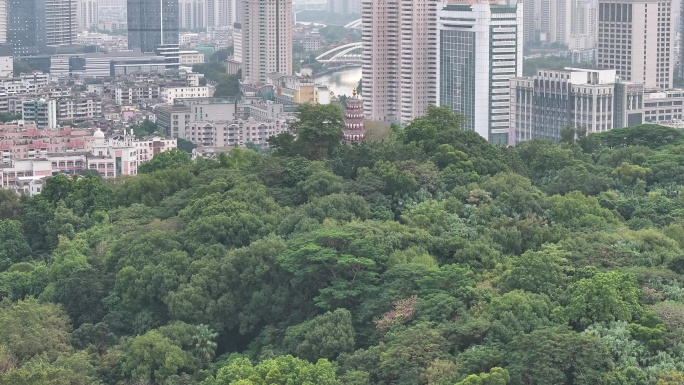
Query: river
pixel 341 82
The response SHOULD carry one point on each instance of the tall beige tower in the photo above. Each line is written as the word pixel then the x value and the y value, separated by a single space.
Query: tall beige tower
pixel 400 44
pixel 635 37
pixel 61 24
pixel 88 14
pixel 266 39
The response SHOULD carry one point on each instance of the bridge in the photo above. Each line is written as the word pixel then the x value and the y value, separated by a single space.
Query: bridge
pixel 343 54
pixel 356 24
pixel 309 6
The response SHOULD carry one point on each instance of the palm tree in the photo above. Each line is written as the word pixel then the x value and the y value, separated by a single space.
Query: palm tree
pixel 203 342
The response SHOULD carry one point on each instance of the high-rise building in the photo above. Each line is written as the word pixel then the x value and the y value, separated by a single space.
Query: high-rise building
pixel 399 58
pixel 61 24
pixel 193 14
pixel 583 26
pixel 88 14
pixel 237 42
pixel 266 39
pixel 568 22
pixel 3 21
pixel 26 26
pixel 344 7
pixel 227 12
pixel 152 23
pixel 34 25
pixel 593 100
pixel 635 37
pixel 481 49
pixel 529 21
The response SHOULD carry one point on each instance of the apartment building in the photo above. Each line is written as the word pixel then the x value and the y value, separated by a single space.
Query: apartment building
pixel 134 94
pixel 42 112
pixel 170 94
pixel 266 39
pixel 61 22
pixel 234 133
pixel 78 109
pixel 206 120
pixel 400 49
pixel 120 155
pixel 87 14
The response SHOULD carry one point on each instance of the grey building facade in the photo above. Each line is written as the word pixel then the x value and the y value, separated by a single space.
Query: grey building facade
pixel 26 26
pixel 152 23
pixel 594 100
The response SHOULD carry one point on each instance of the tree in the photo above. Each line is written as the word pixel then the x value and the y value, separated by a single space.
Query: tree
pixel 314 134
pixel 30 328
pixel 407 354
pixel 13 245
pixel 146 128
pixel 221 55
pixel 22 67
pixel 325 336
pixel 228 87
pixel 516 313
pixel 558 356
pixel 153 357
pixel 333 265
pixel 185 145
pixel 57 188
pixel 166 160
pixel 545 272
pixel 648 135
pixel 81 294
pixel 10 207
pixel 66 370
pixel 280 370
pixel 605 297
pixel 574 210
pixel 496 376
pixel 203 342
pixel 7 117
pixel 424 130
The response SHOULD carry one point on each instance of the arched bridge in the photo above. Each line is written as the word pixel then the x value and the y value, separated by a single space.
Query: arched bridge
pixel 354 24
pixel 342 54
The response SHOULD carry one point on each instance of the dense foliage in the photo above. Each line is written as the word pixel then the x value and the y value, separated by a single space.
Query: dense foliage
pixel 432 258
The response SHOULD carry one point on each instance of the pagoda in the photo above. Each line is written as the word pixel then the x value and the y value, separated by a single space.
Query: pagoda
pixel 354 129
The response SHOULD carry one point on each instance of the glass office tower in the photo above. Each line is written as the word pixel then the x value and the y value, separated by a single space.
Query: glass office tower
pixel 152 23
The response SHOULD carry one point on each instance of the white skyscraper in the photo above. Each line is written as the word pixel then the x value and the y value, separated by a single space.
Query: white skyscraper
pixel 481 49
pixel 266 39
pixel 88 14
pixel 399 58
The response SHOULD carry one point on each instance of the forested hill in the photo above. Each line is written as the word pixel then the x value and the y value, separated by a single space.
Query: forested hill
pixel 429 257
